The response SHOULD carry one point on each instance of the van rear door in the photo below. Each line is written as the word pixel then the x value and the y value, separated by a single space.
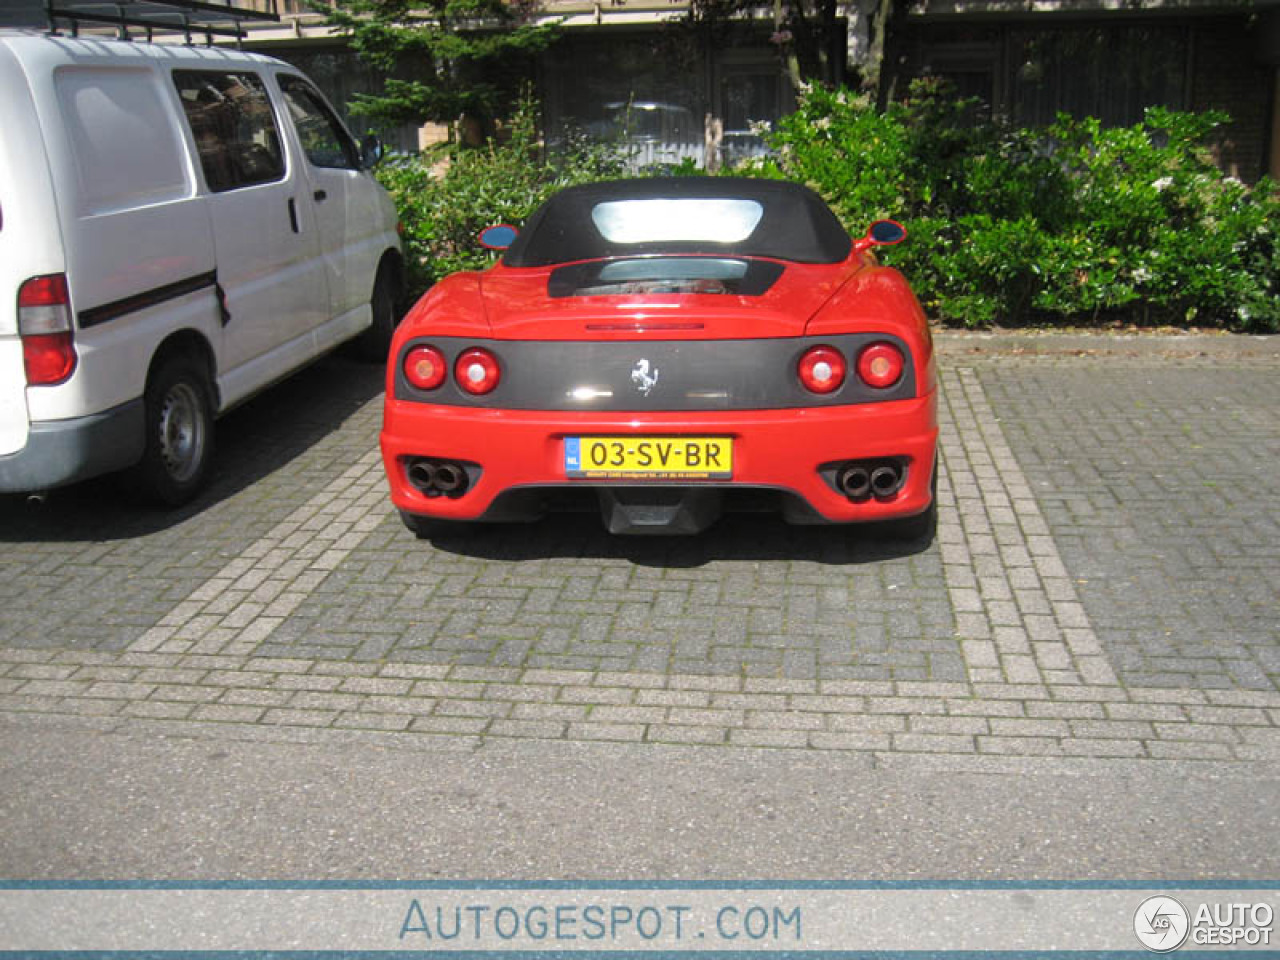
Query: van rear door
pixel 137 240
pixel 30 241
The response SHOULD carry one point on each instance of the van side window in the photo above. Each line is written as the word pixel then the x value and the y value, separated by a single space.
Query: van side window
pixel 233 127
pixel 324 139
pixel 127 153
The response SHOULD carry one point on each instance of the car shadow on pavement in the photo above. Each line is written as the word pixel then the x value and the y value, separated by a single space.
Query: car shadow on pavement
pixel 252 442
pixel 736 537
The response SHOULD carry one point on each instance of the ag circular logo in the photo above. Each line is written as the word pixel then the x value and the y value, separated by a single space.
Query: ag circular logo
pixel 1161 924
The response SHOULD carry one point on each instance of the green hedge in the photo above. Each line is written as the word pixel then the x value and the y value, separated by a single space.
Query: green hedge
pixel 1073 224
pixel 442 213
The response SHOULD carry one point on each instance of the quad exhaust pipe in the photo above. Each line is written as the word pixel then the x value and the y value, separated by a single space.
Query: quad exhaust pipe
pixel 878 478
pixel 422 475
pixel 885 480
pixel 855 481
pixel 438 478
pixel 450 478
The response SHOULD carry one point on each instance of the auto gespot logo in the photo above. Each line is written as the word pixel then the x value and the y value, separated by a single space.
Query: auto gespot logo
pixel 1162 924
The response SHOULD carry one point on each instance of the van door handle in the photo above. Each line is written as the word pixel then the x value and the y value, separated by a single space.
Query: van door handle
pixel 320 196
pixel 293 215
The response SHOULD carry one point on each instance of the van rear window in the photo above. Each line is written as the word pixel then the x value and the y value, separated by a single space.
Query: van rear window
pixel 233 126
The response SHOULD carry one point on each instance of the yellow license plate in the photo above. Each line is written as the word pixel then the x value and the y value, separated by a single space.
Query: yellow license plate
pixel 649 458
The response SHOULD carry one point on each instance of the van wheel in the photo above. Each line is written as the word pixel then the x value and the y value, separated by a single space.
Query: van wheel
pixel 375 343
pixel 179 423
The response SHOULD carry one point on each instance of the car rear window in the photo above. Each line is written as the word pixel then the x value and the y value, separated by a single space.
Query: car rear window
pixel 707 216
pixel 677 219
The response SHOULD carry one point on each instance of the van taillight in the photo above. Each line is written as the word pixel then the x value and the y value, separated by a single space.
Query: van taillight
pixel 44 322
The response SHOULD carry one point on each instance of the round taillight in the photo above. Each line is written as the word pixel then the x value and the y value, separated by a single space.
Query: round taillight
pixel 822 369
pixel 477 371
pixel 425 367
pixel 880 365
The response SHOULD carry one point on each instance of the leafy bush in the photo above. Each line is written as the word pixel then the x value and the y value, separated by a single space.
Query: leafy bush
pixel 856 157
pixel 445 201
pixel 1072 224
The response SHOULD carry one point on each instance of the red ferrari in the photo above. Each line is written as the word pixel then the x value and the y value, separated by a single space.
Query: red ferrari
pixel 662 351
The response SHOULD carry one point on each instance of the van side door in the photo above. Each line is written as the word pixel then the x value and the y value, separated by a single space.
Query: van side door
pixel 347 203
pixel 271 276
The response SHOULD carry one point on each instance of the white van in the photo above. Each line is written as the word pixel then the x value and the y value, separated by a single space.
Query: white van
pixel 179 228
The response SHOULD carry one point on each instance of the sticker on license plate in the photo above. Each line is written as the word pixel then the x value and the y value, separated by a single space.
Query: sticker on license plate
pixel 649 458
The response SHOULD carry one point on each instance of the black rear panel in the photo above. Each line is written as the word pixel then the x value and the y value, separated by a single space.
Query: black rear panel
pixel 656 375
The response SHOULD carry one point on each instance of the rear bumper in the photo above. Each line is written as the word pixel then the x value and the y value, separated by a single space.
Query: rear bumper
pixel 779 450
pixel 59 452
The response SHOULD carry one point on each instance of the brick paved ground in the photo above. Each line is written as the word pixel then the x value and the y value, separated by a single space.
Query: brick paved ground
pixel 1163 495
pixel 1103 588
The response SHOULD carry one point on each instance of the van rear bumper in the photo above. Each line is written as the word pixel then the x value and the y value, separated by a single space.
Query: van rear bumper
pixel 59 452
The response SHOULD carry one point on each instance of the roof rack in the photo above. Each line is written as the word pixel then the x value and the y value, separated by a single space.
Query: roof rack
pixel 212 19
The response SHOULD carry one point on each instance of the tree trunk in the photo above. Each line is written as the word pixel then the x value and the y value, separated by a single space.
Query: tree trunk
pixel 873 71
pixel 788 49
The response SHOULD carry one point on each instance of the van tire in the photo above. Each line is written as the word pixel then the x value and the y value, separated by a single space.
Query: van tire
pixel 375 343
pixel 179 424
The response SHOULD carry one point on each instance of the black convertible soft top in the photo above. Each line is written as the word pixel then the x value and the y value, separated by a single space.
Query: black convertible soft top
pixel 793 223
